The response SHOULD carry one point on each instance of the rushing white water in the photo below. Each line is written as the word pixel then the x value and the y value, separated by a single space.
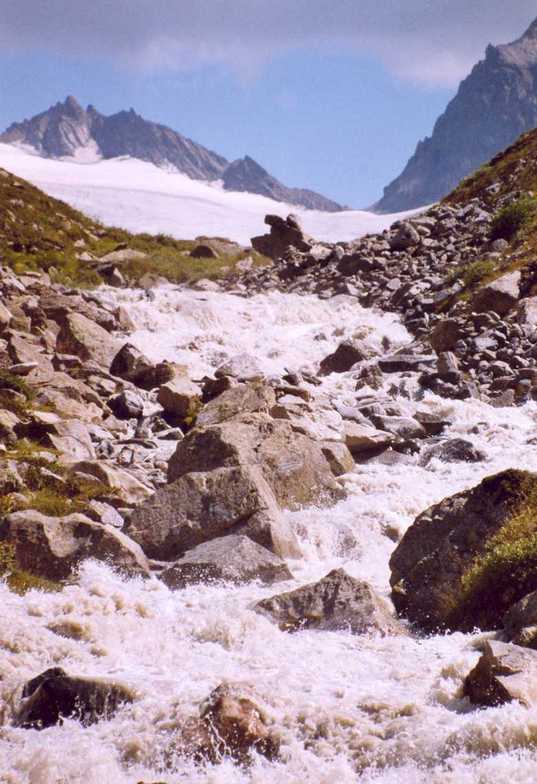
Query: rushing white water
pixel 347 707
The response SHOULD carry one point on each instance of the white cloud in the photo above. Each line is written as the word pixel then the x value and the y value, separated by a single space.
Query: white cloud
pixel 428 41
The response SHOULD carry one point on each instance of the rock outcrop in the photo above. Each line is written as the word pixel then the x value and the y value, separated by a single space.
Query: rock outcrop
pixel 465 561
pixel 504 673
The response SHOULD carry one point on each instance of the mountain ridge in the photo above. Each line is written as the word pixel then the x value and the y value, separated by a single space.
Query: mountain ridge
pixel 494 105
pixel 67 130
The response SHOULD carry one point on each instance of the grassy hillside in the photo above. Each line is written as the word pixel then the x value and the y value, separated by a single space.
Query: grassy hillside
pixel 39 232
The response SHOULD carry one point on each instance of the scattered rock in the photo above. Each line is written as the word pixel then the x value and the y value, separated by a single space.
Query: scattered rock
pixel 500 296
pixel 343 358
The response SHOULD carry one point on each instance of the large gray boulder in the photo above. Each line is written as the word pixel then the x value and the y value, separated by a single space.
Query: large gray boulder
pixel 53 547
pixel 501 295
pixel 292 465
pixel 465 561
pixel 504 673
pixel 346 355
pixel 338 601
pixel 83 337
pixel 520 622
pixel 284 233
pixel 204 505
pixel 54 696
pixel 234 558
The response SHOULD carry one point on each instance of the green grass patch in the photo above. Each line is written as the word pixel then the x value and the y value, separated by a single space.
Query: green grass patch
pixel 509 221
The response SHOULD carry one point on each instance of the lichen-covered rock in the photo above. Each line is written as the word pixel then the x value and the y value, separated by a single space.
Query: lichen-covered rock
pixel 465 561
pixel 338 601
pixel 54 696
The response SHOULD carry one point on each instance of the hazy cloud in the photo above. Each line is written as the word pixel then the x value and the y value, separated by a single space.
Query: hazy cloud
pixel 429 41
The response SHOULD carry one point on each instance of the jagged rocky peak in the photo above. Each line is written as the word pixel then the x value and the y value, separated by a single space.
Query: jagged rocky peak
pixel 494 105
pixel 66 130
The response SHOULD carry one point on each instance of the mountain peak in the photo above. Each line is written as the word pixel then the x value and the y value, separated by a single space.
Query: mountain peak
pixel 494 105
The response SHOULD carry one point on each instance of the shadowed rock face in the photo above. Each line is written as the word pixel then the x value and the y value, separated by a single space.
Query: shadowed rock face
pixel 494 105
pixel 67 127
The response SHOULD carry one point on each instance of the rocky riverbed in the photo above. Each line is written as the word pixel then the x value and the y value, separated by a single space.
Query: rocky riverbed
pixel 225 611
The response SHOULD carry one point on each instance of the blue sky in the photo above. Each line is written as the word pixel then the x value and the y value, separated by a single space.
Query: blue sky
pixel 327 95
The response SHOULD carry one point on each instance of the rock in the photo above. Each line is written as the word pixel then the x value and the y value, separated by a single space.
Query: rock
pixel 337 602
pixel 131 365
pixel 72 440
pixel 362 439
pixel 54 696
pixel 292 464
pixel 8 425
pixel 5 317
pixel 445 335
pixel 402 427
pixel 239 399
pixel 180 398
pixel 527 312
pixel 284 233
pixel 201 506
pixel 231 724
pixel 454 450
pixel 127 405
pixel 399 363
pixel 343 358
pixel 500 296
pixel 83 337
pixel 339 457
pixel 233 558
pixel 504 673
pixel 242 367
pixel 203 251
pixel 53 547
pixel 520 622
pixel 405 237
pixel 465 561
pixel 124 485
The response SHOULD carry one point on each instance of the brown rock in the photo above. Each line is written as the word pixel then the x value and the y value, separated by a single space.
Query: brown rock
pixel 78 335
pixel 504 673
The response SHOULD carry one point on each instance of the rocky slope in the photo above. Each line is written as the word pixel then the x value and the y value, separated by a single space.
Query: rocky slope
pixel 494 105
pixel 67 130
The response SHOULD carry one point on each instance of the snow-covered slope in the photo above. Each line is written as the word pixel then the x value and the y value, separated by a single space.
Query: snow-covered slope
pixel 138 196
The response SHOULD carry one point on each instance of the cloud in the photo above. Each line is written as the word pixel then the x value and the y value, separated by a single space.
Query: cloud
pixel 429 41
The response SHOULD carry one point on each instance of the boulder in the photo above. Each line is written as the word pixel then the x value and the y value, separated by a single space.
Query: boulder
pixel 343 358
pixel 405 237
pixel 337 602
pixel 399 363
pixel 121 482
pixel 53 547
pixel 205 505
pixel 233 558
pixel 127 405
pixel 231 724
pixel 292 464
pixel 239 399
pixel 180 398
pixel 242 367
pixel 520 622
pixel 446 335
pixel 362 439
pixel 54 696
pixel 465 561
pixel 504 673
pixel 339 457
pixel 527 312
pixel 83 337
pixel 131 365
pixel 284 233
pixel 500 296
pixel 454 450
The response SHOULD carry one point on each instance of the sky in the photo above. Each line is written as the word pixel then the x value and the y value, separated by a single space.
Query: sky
pixel 331 95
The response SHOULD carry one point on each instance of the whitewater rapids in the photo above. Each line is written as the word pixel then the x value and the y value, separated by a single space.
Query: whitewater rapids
pixel 347 707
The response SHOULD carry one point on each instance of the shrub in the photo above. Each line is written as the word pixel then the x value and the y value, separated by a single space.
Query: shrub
pixel 509 221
